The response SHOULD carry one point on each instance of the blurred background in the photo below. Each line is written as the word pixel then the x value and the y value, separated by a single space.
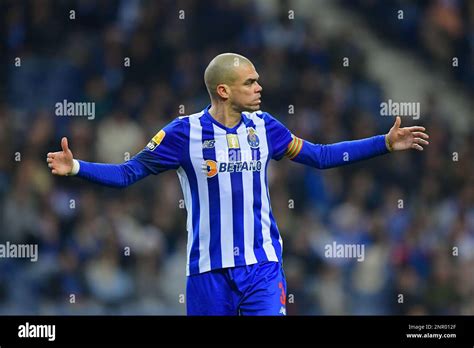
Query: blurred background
pixel 123 251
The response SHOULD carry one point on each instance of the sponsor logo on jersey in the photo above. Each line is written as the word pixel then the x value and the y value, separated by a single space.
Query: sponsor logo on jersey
pixel 211 168
pixel 208 144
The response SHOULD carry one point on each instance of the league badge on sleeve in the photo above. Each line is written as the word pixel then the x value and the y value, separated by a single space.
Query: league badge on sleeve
pixel 156 140
pixel 252 138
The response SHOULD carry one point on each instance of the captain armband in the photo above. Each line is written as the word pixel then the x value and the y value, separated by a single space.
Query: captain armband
pixel 294 147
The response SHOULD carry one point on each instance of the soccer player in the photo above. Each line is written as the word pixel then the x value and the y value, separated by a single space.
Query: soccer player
pixel 221 155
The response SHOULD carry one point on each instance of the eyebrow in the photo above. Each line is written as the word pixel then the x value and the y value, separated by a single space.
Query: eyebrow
pixel 252 79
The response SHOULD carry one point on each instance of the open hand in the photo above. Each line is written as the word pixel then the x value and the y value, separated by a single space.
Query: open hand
pixel 406 138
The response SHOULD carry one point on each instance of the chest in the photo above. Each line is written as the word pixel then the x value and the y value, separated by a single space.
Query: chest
pixel 215 150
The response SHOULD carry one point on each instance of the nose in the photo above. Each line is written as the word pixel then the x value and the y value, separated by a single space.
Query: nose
pixel 259 88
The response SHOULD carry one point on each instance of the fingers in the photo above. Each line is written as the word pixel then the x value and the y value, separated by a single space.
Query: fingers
pixel 420 141
pixel 416 128
pixel 64 144
pixel 416 147
pixel 49 160
pixel 420 135
pixel 53 155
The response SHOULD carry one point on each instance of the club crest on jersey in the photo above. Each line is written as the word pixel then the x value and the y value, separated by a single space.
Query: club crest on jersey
pixel 156 140
pixel 252 138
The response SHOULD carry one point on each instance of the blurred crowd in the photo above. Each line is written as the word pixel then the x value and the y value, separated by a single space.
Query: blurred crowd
pixel 439 31
pixel 113 251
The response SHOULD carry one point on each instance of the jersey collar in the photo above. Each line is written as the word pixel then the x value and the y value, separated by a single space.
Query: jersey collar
pixel 220 125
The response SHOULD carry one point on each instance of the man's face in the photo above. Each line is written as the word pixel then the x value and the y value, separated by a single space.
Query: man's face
pixel 245 91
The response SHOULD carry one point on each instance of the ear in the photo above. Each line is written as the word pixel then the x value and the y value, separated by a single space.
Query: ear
pixel 223 91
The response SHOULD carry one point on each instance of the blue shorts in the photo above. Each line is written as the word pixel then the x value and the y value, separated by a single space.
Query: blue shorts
pixel 258 289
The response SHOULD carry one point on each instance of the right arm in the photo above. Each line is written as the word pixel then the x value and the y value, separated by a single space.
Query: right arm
pixel 114 175
pixel 160 154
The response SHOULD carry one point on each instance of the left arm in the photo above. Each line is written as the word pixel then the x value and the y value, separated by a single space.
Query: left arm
pixel 338 154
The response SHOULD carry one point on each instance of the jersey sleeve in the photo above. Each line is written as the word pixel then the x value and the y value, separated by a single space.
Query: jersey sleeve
pixel 164 150
pixel 338 154
pixel 278 136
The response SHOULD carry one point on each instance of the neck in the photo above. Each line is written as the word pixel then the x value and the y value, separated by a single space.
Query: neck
pixel 224 114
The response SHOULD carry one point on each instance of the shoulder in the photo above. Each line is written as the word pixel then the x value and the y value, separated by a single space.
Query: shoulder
pixel 179 123
pixel 260 116
pixel 188 118
pixel 179 127
pixel 270 122
pixel 173 133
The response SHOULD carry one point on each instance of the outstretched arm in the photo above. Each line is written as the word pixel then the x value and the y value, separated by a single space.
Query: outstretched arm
pixel 163 152
pixel 338 154
pixel 115 175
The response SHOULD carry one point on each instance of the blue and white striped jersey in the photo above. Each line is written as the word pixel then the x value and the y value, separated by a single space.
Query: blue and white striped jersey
pixel 223 175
